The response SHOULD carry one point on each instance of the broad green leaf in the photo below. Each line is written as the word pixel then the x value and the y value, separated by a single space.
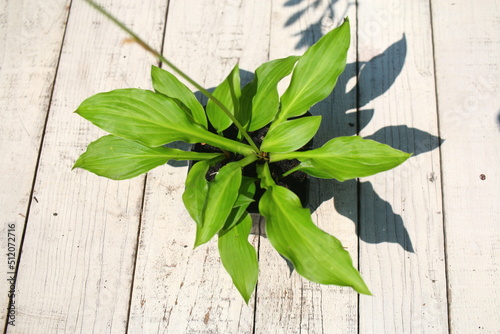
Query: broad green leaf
pixel 316 73
pixel 150 118
pixel 118 159
pixel 242 200
pixel 239 257
pixel 264 173
pixel 220 199
pixel 167 84
pixel 245 197
pixel 245 110
pixel 196 190
pixel 345 158
pixel 246 192
pixel 260 98
pixel 291 135
pixel 228 92
pixel 316 255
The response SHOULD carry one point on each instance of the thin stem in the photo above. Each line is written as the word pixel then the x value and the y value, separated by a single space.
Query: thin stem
pixel 190 155
pixel 274 157
pixel 247 160
pixel 158 55
pixel 225 143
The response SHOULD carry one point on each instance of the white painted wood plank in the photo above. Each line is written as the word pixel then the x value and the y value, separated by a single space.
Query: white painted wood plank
pixel 178 289
pixel 467 52
pixel 401 226
pixel 288 303
pixel 31 34
pixel 78 256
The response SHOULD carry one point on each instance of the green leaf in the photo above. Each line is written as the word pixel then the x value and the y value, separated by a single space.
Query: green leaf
pixel 315 255
pixel 118 159
pixel 345 158
pixel 316 73
pixel 220 198
pixel 167 84
pixel 196 190
pixel 260 98
pixel 228 92
pixel 242 200
pixel 239 257
pixel 245 197
pixel 264 173
pixel 150 118
pixel 291 135
pixel 246 192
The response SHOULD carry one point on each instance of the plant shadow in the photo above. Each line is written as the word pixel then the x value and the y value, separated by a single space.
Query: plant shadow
pixel 302 8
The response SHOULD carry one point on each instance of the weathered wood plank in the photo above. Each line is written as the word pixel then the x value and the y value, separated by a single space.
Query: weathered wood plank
pixel 78 256
pixel 31 34
pixel 178 289
pixel 401 226
pixel 467 49
pixel 287 303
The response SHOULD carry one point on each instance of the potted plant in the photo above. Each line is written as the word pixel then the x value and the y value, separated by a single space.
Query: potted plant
pixel 268 129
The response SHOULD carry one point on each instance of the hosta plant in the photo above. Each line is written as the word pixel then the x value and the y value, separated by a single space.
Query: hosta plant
pixel 142 122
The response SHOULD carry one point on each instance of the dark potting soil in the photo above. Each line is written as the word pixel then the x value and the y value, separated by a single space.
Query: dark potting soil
pixel 296 182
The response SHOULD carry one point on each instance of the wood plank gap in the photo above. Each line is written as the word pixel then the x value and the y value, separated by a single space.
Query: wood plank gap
pixel 177 289
pixel 358 184
pixel 401 236
pixel 141 211
pixel 260 232
pixel 89 248
pixel 465 39
pixel 162 47
pixel 40 147
pixel 290 303
pixel 443 207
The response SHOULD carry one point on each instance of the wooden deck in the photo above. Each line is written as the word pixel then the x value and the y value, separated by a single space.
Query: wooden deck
pixel 99 256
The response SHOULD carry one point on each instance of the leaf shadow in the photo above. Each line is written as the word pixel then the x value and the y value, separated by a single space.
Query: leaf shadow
pixel 311 33
pixel 348 104
pixel 498 120
pixel 376 222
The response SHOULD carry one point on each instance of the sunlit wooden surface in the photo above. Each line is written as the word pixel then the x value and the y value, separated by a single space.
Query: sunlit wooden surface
pixel 100 256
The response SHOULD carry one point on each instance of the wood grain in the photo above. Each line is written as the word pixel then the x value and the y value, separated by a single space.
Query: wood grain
pixel 401 224
pixel 78 256
pixel 466 40
pixel 31 36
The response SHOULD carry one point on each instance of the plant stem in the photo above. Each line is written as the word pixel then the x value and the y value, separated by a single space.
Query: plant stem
pixel 226 144
pixel 247 160
pixel 274 157
pixel 191 155
pixel 162 58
